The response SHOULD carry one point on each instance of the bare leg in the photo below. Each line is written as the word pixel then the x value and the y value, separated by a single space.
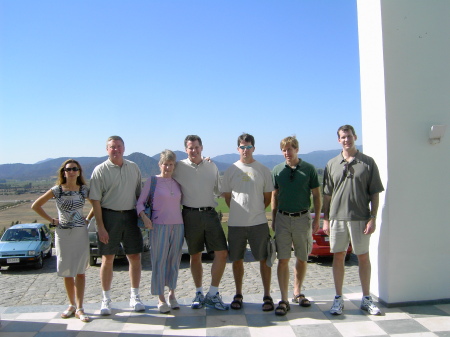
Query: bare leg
pixel 364 273
pixel 338 271
pixel 283 278
pixel 197 269
pixel 266 275
pixel 80 284
pixel 299 275
pixel 171 294
pixel 238 273
pixel 106 271
pixel 218 267
pixel 69 284
pixel 135 269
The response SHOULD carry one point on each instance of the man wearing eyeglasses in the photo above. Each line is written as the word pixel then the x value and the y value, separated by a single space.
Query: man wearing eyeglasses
pixel 114 189
pixel 247 187
pixel 294 180
pixel 351 187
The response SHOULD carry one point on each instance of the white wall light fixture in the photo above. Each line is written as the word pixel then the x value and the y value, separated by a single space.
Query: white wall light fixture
pixel 436 133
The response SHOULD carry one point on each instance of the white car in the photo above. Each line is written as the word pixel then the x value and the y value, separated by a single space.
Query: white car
pixel 185 251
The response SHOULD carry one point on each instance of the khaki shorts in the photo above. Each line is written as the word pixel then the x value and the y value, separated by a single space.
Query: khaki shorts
pixel 257 236
pixel 344 232
pixel 294 231
pixel 203 228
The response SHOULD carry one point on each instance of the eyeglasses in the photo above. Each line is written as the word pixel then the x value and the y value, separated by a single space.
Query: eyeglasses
pixel 68 169
pixel 245 147
pixel 346 171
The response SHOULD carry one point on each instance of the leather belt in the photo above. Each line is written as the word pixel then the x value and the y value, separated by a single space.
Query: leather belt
pixel 200 209
pixel 113 210
pixel 293 214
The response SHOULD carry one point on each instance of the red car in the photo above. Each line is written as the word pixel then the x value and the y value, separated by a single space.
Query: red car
pixel 321 242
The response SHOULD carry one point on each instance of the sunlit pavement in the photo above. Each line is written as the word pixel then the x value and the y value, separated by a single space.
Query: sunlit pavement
pixel 420 320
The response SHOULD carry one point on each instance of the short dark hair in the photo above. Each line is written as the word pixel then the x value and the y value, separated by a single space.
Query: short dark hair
pixel 192 138
pixel 247 138
pixel 346 128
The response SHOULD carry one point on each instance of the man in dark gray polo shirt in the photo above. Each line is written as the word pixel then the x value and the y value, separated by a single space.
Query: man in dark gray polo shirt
pixel 351 187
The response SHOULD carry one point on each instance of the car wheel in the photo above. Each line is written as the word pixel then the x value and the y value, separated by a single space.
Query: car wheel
pixel 210 255
pixel 146 247
pixel 50 252
pixel 40 262
pixel 92 260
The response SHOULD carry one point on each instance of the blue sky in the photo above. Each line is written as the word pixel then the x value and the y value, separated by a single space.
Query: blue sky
pixel 73 73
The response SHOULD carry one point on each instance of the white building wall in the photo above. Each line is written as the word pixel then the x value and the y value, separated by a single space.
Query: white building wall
pixel 405 89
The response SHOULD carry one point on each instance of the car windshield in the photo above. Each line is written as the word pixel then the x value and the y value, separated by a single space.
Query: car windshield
pixel 22 234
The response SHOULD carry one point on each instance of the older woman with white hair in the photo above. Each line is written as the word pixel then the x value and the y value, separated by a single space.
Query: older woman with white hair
pixel 167 230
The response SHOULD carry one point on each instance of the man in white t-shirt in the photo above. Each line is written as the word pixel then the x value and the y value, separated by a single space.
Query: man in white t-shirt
pixel 247 187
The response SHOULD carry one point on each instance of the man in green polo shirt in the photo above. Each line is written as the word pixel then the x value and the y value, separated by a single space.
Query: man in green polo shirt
pixel 294 181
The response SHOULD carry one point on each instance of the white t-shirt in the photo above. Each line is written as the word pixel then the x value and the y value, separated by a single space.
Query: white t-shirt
pixel 247 184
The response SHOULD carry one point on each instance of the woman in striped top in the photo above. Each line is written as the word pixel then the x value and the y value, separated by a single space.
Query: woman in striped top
pixel 71 239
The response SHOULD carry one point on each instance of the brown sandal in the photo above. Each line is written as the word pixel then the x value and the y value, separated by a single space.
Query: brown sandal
pixel 268 301
pixel 301 300
pixel 283 308
pixel 237 302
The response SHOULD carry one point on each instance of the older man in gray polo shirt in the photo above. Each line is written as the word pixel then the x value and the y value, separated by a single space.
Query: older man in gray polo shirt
pixel 351 183
pixel 199 180
pixel 114 188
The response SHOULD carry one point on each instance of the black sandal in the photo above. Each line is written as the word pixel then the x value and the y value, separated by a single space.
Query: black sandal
pixel 268 301
pixel 237 302
pixel 283 308
pixel 302 300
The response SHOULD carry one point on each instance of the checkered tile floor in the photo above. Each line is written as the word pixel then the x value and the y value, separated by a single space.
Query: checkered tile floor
pixel 421 320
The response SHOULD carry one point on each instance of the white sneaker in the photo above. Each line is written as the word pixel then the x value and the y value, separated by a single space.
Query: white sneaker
pixel 368 305
pixel 215 302
pixel 163 308
pixel 136 303
pixel 105 309
pixel 338 306
pixel 198 301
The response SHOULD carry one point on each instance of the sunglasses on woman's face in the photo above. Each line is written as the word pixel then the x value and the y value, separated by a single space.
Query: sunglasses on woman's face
pixel 68 169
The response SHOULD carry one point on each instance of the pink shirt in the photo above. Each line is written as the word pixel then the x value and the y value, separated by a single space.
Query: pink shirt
pixel 166 208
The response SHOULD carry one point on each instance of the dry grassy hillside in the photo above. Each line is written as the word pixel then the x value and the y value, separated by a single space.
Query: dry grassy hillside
pixel 23 212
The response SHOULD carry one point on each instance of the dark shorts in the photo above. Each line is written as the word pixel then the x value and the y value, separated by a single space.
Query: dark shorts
pixel 122 229
pixel 203 228
pixel 257 236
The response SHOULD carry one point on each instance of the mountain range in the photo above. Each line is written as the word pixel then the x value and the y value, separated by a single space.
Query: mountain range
pixel 46 169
